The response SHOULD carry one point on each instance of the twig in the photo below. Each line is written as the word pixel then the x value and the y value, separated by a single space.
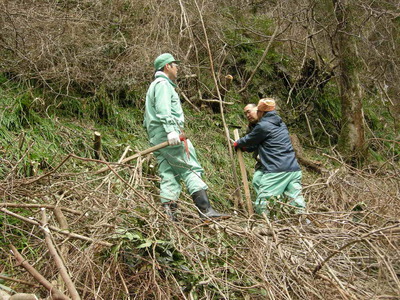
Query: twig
pixel 310 129
pixel 123 282
pixel 67 233
pixel 57 259
pixel 64 247
pixel 21 205
pixel 107 178
pixel 341 288
pixel 188 101
pixel 48 173
pixel 18 280
pixel 216 100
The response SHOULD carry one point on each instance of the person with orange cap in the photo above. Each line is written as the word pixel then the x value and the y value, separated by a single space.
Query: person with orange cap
pixel 281 173
pixel 164 121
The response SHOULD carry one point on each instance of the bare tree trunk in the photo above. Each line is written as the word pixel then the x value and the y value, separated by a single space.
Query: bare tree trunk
pixel 352 138
pixel 394 93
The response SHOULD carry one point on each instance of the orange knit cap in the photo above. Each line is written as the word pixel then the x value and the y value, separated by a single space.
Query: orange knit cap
pixel 266 104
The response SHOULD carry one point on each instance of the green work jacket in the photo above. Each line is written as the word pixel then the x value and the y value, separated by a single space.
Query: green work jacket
pixel 163 113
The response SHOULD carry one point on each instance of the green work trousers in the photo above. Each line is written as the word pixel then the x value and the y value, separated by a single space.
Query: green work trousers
pixel 275 185
pixel 257 180
pixel 174 166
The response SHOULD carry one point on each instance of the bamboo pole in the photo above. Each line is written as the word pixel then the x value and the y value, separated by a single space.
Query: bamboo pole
pixel 244 176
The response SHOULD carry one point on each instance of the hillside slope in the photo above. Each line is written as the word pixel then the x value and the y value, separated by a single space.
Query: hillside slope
pixel 116 243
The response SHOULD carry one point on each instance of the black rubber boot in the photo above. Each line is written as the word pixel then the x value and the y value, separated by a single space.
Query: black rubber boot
pixel 170 209
pixel 200 199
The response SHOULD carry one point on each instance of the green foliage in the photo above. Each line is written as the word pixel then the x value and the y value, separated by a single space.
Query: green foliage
pixel 246 50
pixel 39 132
pixel 326 110
pixel 137 251
pixel 18 234
pixel 379 122
pixel 17 112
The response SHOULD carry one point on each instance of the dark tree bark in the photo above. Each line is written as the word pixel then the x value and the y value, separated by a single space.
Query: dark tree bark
pixel 352 135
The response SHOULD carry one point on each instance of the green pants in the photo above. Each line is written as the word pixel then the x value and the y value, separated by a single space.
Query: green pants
pixel 276 185
pixel 174 166
pixel 257 180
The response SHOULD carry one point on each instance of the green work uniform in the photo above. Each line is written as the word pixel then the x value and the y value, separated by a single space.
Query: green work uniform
pixel 272 185
pixel 163 115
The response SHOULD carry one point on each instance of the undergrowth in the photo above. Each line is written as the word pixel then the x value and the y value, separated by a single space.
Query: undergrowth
pixel 157 259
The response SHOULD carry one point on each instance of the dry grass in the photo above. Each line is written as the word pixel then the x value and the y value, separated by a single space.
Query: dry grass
pixel 350 251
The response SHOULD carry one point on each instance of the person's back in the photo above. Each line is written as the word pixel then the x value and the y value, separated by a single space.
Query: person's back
pixel 275 149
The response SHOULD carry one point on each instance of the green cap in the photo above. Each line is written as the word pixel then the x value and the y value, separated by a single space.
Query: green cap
pixel 163 59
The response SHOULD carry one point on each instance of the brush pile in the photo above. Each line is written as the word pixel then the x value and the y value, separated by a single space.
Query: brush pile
pixel 105 237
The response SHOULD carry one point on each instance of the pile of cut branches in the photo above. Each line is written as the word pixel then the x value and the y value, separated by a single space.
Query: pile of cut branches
pixel 85 236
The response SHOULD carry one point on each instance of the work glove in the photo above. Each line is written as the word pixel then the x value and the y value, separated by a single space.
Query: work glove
pixel 173 138
pixel 236 147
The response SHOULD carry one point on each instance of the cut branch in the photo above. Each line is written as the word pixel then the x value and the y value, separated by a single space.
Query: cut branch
pixel 56 294
pixel 21 205
pixel 67 233
pixel 57 258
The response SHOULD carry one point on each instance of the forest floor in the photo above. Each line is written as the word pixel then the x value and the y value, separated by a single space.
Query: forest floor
pixel 116 243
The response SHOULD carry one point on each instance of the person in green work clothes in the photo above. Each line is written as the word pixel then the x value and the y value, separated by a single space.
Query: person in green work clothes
pixel 164 121
pixel 281 173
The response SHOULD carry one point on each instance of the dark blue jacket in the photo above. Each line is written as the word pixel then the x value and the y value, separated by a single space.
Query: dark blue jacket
pixel 271 138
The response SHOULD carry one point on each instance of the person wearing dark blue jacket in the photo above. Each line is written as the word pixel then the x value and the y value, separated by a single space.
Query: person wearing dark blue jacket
pixel 281 172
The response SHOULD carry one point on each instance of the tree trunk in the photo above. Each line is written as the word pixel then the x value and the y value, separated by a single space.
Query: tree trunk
pixel 351 139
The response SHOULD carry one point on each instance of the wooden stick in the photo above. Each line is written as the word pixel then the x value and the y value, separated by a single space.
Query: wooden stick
pixel 62 221
pixel 29 205
pixel 132 157
pixel 55 293
pixel 19 281
pixel 67 233
pixel 217 101
pixel 57 259
pixel 237 194
pixel 244 176
pixel 310 129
